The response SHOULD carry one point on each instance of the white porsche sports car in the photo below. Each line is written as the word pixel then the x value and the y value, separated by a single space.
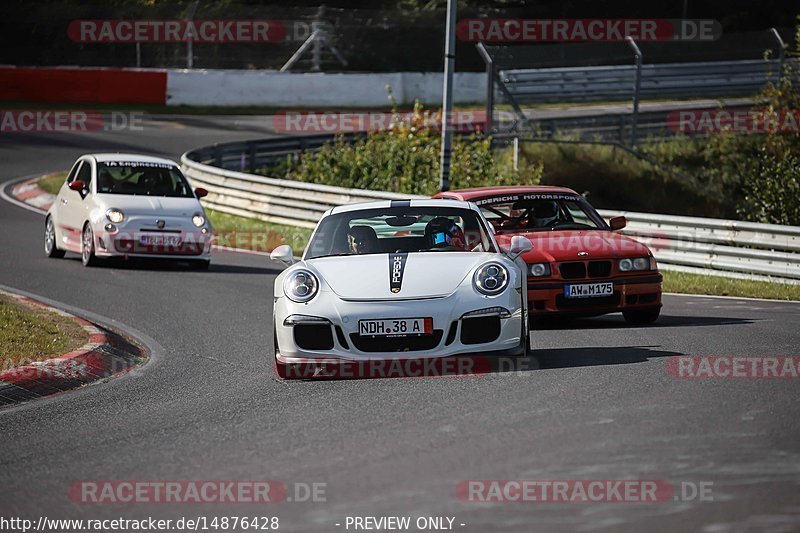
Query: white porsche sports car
pixel 123 205
pixel 399 280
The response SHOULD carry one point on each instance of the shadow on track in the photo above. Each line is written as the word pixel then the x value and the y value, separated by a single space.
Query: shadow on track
pixel 176 265
pixel 476 366
pixel 616 321
pixel 576 357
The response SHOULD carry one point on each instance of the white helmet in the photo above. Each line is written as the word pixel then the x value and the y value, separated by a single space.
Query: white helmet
pixel 544 213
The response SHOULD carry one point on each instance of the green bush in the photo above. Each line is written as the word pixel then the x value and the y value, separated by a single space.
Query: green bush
pixel 405 159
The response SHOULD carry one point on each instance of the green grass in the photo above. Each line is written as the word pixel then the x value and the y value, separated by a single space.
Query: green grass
pixel 30 333
pixel 682 282
pixel 253 234
pixel 53 183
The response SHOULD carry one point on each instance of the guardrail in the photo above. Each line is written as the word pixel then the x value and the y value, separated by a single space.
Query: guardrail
pixel 615 83
pixel 701 245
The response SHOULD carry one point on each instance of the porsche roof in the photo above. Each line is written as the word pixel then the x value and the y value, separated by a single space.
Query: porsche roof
pixel 422 202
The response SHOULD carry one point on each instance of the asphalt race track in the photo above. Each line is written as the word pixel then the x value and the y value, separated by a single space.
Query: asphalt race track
pixel 596 401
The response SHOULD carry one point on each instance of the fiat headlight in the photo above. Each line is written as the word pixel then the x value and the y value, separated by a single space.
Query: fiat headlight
pixel 198 220
pixel 115 215
pixel 300 286
pixel 636 263
pixel 537 270
pixel 491 279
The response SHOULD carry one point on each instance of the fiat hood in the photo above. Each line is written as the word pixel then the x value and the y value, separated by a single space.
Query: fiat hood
pixel 424 274
pixel 554 246
pixel 151 205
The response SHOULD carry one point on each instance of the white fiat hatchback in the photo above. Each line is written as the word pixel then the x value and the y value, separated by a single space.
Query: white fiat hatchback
pixel 123 205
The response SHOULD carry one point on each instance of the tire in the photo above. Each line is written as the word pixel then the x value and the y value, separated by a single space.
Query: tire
pixel 526 329
pixel 642 316
pixel 87 247
pixel 200 265
pixel 50 247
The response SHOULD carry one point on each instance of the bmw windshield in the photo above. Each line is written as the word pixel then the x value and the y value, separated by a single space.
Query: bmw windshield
pixel 406 229
pixel 540 212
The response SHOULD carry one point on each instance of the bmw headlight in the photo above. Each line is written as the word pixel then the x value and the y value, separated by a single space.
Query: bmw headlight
pixel 300 286
pixel 537 270
pixel 491 279
pixel 115 215
pixel 198 220
pixel 636 263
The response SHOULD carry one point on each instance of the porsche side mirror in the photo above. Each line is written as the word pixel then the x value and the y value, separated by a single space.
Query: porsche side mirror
pixel 77 185
pixel 519 245
pixel 284 254
pixel 200 192
pixel 617 223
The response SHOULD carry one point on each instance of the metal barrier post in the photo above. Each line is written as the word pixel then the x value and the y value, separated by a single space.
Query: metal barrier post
pixel 781 50
pixel 637 85
pixel 190 42
pixel 447 98
pixel 490 74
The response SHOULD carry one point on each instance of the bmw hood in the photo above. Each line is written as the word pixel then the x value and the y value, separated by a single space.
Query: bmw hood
pixel 150 205
pixel 551 246
pixel 398 276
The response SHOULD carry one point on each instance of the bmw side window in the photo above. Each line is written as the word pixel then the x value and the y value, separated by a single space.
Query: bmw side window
pixel 85 175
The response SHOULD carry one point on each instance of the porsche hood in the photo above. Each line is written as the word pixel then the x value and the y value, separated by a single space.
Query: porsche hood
pixel 398 276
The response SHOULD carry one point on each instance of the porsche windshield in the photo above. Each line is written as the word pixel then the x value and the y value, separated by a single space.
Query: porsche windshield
pixel 402 229
pixel 142 178
pixel 542 212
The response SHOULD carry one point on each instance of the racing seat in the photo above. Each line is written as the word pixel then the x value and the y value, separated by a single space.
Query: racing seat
pixel 362 240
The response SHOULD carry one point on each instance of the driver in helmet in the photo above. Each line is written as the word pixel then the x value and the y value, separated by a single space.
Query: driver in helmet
pixel 543 214
pixel 443 233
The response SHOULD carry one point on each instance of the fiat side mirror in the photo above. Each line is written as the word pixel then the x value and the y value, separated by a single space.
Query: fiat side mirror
pixel 77 185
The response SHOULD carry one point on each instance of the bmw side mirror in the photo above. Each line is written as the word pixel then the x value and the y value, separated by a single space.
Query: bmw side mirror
pixel 617 223
pixel 519 245
pixel 284 254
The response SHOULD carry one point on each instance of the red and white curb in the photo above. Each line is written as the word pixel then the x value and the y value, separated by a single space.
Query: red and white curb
pixel 29 193
pixel 104 355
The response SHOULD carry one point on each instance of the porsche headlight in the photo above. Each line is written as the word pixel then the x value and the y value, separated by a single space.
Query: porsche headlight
pixel 491 279
pixel 537 270
pixel 115 215
pixel 198 220
pixel 636 263
pixel 300 286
